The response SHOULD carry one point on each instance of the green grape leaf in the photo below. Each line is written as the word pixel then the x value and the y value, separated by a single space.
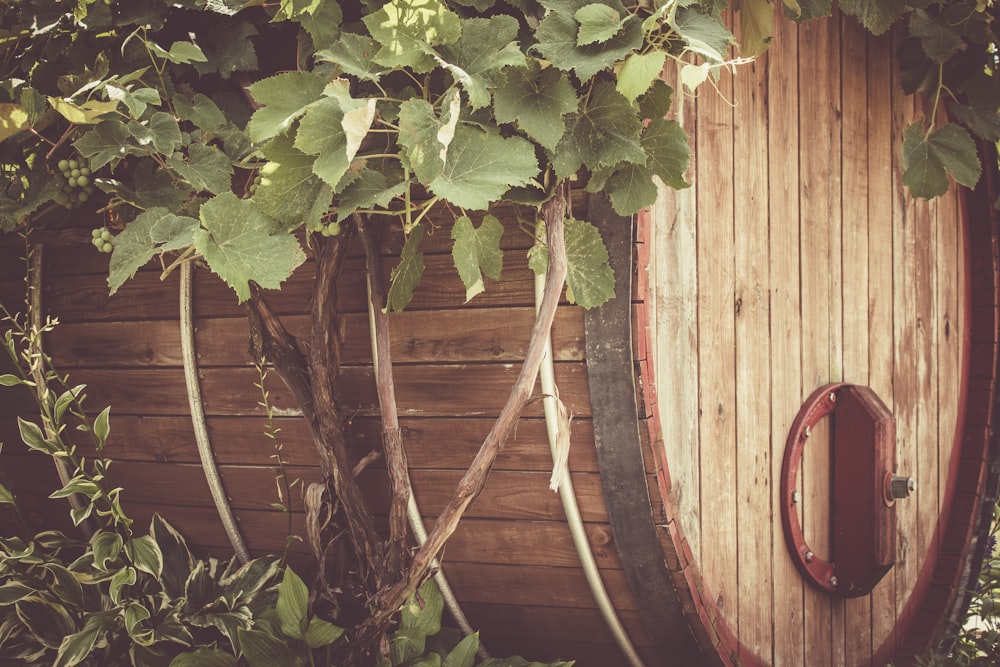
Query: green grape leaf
pixel 481 166
pixel 135 101
pixel 638 73
pixel 371 189
pixel 161 132
pixel 353 53
pixel 13 120
pixel 557 33
pixel 207 168
pixel 927 161
pixel 655 102
pixel 979 113
pixel 940 39
pixel 604 133
pixel 477 252
pixel 14 212
pixel 289 191
pixel 537 101
pixel 408 29
pixel 756 26
pixel 804 10
pixel 477 58
pixel 407 274
pixel 598 23
pixel 590 280
pixel 877 17
pixel 87 113
pixel 155 230
pixel 631 188
pixel 425 137
pixel 333 135
pixel 703 34
pixel 320 18
pixel 108 143
pixel 181 53
pixel 201 111
pixel 284 97
pixel 241 244
pixel 228 47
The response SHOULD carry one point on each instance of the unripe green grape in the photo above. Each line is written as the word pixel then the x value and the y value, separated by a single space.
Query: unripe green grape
pixel 85 171
pixel 106 235
pixel 67 173
pixel 107 247
pixel 96 232
pixel 71 181
pixel 82 196
pixel 73 164
pixel 333 228
pixel 62 165
pixel 82 180
pixel 325 231
pixel 74 172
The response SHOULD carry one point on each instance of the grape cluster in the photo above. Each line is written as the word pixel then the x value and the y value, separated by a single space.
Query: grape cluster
pixel 78 188
pixel 102 239
pixel 255 184
pixel 330 229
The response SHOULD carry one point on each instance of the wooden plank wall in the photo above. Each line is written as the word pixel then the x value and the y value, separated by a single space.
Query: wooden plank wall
pixel 807 263
pixel 512 562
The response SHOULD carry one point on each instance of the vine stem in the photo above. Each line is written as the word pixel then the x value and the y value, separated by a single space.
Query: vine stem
pixel 388 601
pixel 937 100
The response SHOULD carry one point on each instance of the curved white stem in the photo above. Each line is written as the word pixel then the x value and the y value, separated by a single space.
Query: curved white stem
pixel 198 420
pixel 568 498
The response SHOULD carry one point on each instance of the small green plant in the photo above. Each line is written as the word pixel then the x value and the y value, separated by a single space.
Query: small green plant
pixel 122 598
pixel 977 642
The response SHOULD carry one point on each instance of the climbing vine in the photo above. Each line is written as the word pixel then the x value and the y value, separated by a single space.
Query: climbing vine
pixel 233 132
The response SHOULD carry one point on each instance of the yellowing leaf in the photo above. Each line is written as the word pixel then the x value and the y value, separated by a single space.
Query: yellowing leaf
pixel 477 252
pixel 13 119
pixel 88 113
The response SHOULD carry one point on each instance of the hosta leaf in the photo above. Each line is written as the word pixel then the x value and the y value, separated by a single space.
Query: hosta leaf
pixel 464 654
pixel 406 275
pixel 588 276
pixel 6 496
pixel 241 244
pixel 102 427
pixel 47 621
pixel 422 610
pixel 284 97
pixel 481 166
pixel 353 54
pixel 538 101
pixel 106 545
pixel 154 230
pixel 598 23
pixel 638 73
pixel 262 650
pixel 78 484
pixel 33 437
pixel 322 633
pixel 204 657
pixel 13 120
pixel 145 554
pixel 177 558
pixel 206 169
pixel 126 576
pixel 877 17
pixel 477 252
pixel 12 590
pixel 603 133
pixel 556 35
pixel 406 646
pixel 292 606
pixel 927 161
pixel 290 191
pixel 408 29
pixel 477 58
pixel 75 648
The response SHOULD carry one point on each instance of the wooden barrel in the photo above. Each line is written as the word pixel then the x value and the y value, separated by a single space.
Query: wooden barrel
pixel 795 260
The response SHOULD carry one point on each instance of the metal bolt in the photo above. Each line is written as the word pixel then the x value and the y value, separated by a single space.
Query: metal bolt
pixel 808 432
pixel 796 497
pixel 809 556
pixel 833 581
pixel 832 397
pixel 901 487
